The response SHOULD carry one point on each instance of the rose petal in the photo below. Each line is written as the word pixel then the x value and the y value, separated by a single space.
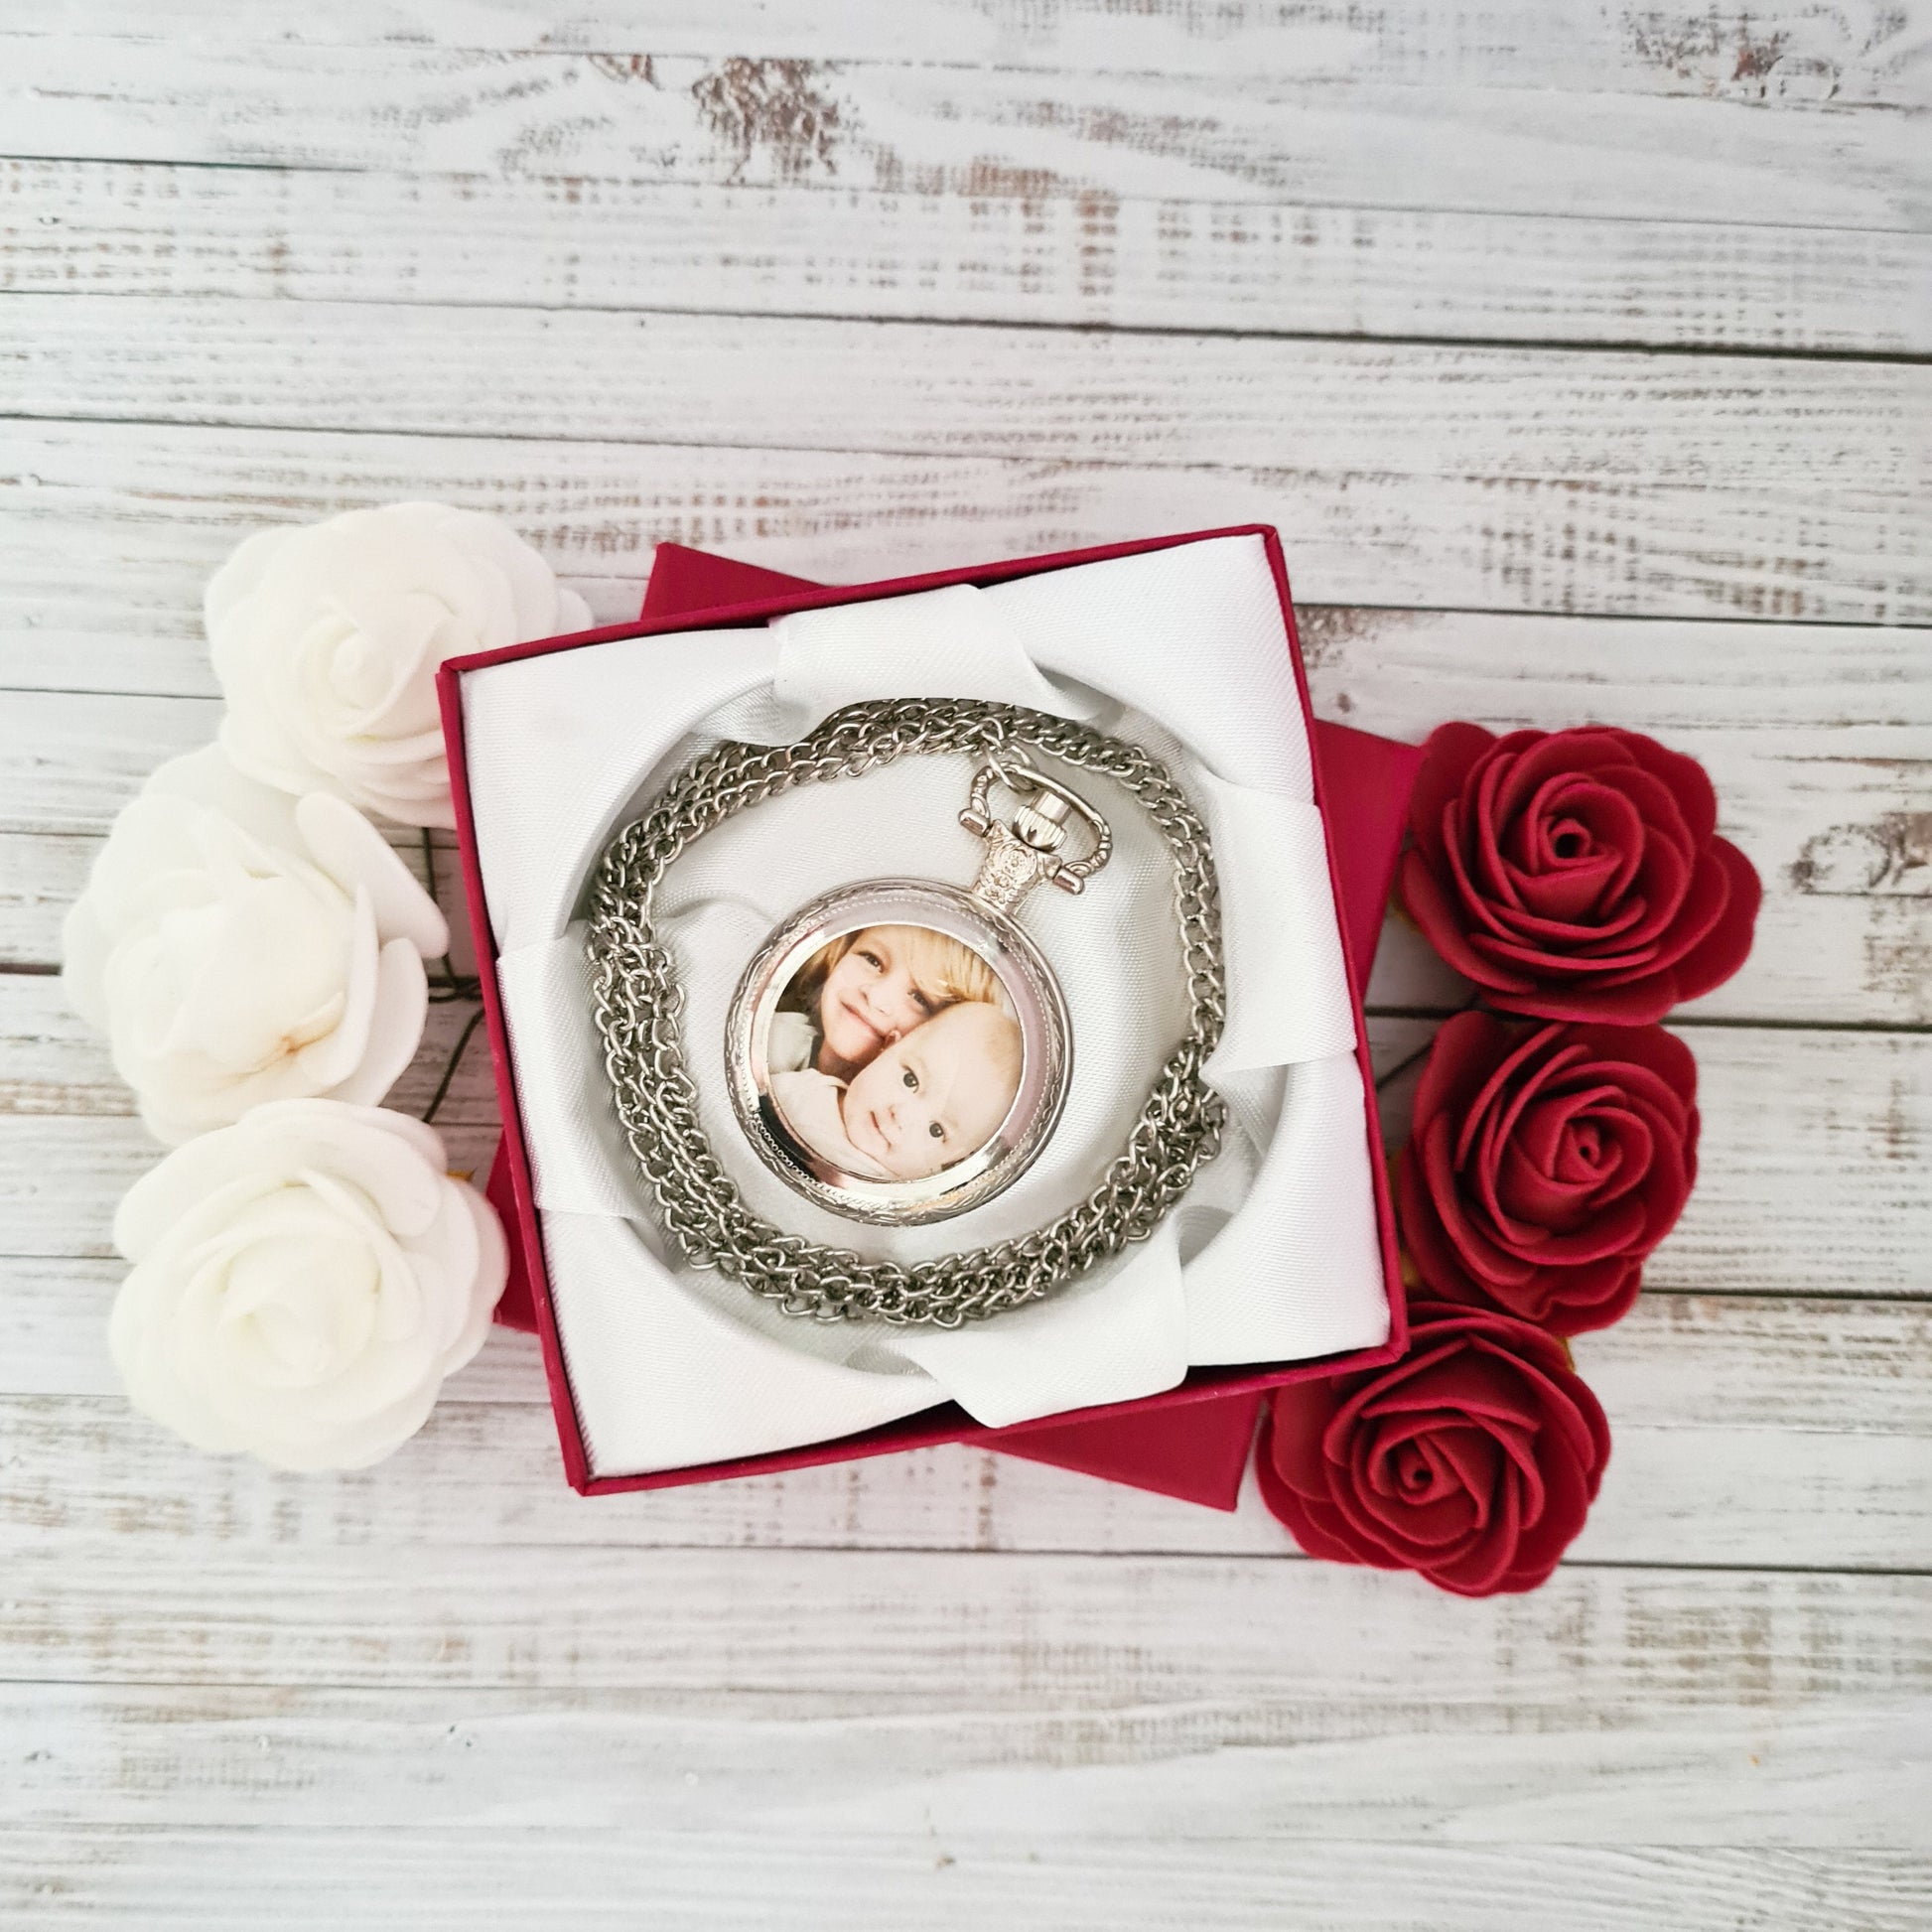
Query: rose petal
pixel 357 857
pixel 1425 900
pixel 1724 948
pixel 1448 755
pixel 1689 782
pixel 399 1010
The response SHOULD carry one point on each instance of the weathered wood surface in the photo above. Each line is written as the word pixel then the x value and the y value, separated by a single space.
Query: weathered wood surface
pixel 1045 1708
pixel 56 1308
pixel 1750 1431
pixel 1818 738
pixel 1285 268
pixel 1731 154
pixel 942 1630
pixel 1749 429
pixel 1667 529
pixel 688 271
pixel 848 1881
pixel 1864 51
pixel 1815 1146
pixel 610 1759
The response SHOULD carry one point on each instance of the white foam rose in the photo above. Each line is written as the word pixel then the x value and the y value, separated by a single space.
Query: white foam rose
pixel 327 638
pixel 236 946
pixel 303 1283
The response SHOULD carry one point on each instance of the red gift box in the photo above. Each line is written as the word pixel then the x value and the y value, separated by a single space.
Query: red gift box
pixel 1191 1441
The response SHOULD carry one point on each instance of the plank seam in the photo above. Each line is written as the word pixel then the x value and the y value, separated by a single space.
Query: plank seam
pixel 1549 346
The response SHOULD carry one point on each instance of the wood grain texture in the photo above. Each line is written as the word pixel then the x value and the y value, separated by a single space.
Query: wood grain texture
pixel 1812 1173
pixel 110 530
pixel 1286 268
pixel 1839 1773
pixel 1827 1366
pixel 1819 740
pixel 624 273
pixel 1747 1433
pixel 977 131
pixel 56 1312
pixel 52 1064
pixel 42 876
pixel 65 1174
pixel 1780 53
pixel 646 1876
pixel 1753 430
pixel 1681 1373
pixel 818 1633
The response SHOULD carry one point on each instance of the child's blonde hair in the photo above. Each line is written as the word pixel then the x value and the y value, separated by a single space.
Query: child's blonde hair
pixel 944 969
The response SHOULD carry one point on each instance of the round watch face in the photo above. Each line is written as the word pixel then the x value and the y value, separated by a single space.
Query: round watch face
pixel 898 1051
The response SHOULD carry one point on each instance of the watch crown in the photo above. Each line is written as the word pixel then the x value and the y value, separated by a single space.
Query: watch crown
pixel 1021 845
pixel 1042 825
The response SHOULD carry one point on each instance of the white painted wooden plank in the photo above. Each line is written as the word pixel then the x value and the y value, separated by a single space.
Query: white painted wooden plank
pixel 490 1476
pixel 1863 51
pixel 1613 1703
pixel 1815 1150
pixel 42 876
pixel 1500 414
pixel 71 763
pixel 1836 1773
pixel 1812 1176
pixel 1851 959
pixel 40 879
pixel 1746 1432
pixel 856 1879
pixel 107 592
pixel 108 531
pixel 808 1632
pixel 1829 823
pixel 115 228
pixel 1754 429
pixel 1811 1143
pixel 971 131
pixel 60 1178
pixel 1681 1361
pixel 1813 1167
pixel 1851 1367
pixel 53 1062
pixel 1819 740
pixel 163 650
pixel 56 1313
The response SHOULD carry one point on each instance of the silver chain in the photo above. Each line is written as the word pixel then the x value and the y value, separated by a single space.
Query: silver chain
pixel 639 1009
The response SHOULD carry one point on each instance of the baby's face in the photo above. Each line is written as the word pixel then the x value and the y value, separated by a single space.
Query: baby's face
pixel 934 1096
pixel 869 998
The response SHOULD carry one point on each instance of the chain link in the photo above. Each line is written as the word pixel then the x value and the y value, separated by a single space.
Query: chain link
pixel 639 1009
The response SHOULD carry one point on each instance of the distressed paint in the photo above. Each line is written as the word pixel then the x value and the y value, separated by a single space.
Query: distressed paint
pixel 939 1688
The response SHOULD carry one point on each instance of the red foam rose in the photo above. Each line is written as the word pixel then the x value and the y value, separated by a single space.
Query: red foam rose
pixel 1545 1162
pixel 1473 1461
pixel 1575 874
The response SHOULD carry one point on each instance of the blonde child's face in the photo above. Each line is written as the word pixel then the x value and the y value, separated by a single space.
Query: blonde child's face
pixel 870 997
pixel 932 1097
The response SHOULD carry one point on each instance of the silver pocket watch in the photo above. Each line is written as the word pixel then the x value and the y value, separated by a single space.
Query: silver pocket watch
pixel 898 1050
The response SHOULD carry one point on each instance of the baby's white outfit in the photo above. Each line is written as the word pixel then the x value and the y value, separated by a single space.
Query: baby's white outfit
pixel 810 1103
